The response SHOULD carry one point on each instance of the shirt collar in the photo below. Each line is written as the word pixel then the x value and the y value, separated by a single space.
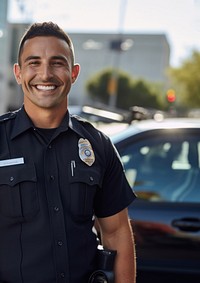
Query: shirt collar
pixel 23 123
pixel 75 125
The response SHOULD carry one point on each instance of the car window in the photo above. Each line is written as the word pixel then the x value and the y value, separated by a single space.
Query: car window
pixel 164 168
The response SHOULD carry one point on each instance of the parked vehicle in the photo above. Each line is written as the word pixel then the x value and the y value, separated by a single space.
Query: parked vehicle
pixel 162 165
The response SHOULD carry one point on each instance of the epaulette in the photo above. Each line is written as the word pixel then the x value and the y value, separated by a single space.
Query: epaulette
pixel 8 116
pixel 80 119
pixel 77 121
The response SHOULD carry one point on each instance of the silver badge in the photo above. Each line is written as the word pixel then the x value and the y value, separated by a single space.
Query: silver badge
pixel 86 152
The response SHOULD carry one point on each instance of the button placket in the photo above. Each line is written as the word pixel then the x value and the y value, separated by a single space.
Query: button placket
pixel 57 216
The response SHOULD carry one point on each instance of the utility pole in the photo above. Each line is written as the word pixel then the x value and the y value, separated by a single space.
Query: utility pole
pixel 116 47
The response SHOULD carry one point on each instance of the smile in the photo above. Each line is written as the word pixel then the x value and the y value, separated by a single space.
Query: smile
pixel 45 87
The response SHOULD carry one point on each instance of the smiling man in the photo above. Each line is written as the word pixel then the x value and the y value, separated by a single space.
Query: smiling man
pixel 57 175
pixel 46 71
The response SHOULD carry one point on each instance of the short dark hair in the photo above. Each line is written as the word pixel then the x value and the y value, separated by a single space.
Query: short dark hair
pixel 45 29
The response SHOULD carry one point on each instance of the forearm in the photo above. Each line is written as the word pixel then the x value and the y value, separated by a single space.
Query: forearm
pixel 125 263
pixel 116 234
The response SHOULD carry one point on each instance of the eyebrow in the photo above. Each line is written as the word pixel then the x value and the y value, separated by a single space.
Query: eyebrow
pixel 59 57
pixel 56 57
pixel 31 58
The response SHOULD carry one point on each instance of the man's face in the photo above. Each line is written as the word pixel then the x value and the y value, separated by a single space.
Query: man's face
pixel 46 72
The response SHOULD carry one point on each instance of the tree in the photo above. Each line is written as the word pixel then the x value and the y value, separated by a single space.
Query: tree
pixel 130 92
pixel 186 81
pixel 98 86
pixel 143 94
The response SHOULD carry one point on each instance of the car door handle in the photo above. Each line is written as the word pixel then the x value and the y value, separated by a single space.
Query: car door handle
pixel 187 224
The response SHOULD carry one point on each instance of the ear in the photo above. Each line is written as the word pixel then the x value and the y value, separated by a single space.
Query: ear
pixel 17 73
pixel 75 72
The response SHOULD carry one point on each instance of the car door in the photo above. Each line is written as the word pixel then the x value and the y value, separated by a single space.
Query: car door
pixel 162 167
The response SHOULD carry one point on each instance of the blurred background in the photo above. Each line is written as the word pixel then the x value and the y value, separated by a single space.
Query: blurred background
pixel 136 55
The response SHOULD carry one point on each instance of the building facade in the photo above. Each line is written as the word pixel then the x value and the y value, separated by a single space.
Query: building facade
pixel 143 56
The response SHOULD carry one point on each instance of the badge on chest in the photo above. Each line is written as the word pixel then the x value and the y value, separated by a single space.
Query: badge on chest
pixel 86 152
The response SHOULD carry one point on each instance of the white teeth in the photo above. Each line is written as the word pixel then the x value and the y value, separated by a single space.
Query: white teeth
pixel 45 87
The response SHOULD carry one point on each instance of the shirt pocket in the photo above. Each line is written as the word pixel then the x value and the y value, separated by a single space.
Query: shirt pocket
pixel 83 187
pixel 18 193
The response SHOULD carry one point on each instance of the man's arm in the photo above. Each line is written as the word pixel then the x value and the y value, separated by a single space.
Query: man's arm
pixel 116 234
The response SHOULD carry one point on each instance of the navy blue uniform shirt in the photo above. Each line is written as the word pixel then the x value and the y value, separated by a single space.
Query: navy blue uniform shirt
pixel 49 196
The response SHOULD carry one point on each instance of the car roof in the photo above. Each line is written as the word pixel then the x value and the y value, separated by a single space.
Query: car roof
pixel 151 125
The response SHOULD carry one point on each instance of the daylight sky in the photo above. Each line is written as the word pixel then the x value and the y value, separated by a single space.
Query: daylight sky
pixel 178 19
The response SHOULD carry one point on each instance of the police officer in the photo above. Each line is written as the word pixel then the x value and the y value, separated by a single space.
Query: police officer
pixel 57 173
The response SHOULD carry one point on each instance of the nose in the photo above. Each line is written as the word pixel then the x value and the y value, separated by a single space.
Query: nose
pixel 46 72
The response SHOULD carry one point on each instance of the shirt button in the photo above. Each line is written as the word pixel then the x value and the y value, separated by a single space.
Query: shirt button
pixel 62 275
pixel 50 146
pixel 56 209
pixel 52 177
pixel 11 179
pixel 60 243
pixel 91 179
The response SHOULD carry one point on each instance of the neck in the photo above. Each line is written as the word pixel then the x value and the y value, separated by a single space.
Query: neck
pixel 46 118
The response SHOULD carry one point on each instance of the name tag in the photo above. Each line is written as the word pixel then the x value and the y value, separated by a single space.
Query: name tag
pixel 11 162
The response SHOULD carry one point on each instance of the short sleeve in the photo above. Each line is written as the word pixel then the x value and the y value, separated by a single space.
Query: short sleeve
pixel 115 194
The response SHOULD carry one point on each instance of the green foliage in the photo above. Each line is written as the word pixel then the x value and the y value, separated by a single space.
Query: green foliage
pixel 130 92
pixel 142 95
pixel 186 81
pixel 97 87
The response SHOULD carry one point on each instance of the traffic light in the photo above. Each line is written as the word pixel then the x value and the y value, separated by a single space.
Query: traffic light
pixel 171 95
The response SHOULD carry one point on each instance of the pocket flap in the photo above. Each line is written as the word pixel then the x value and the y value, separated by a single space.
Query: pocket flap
pixel 88 175
pixel 12 175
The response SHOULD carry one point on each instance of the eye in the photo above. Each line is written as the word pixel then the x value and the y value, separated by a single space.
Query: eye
pixel 57 63
pixel 34 63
